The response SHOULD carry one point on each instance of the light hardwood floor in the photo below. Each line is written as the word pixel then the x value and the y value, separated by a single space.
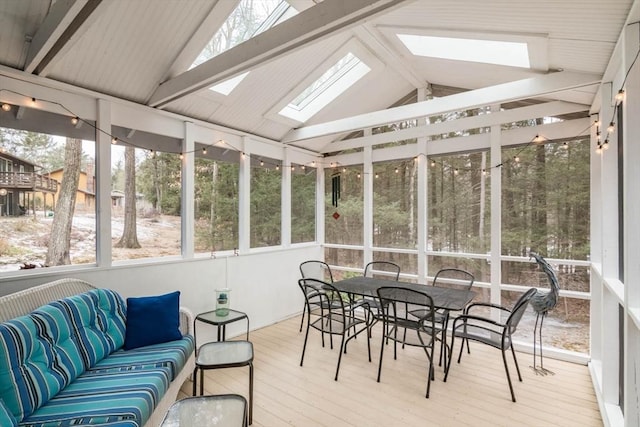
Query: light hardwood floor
pixel 475 394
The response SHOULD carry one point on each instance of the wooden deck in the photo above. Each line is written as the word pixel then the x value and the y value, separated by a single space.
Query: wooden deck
pixel 475 394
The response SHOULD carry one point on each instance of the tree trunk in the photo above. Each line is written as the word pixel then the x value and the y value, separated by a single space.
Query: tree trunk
pixel 60 237
pixel 214 205
pixel 129 237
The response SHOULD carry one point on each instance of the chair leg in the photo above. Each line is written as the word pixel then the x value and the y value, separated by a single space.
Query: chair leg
pixel 304 346
pixel 381 351
pixel 304 311
pixel 448 362
pixel 195 379
pixel 340 355
pixel 250 393
pixel 506 368
pixel 513 352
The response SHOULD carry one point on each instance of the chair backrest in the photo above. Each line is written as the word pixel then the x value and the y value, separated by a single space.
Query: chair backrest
pixel 391 295
pixel 518 310
pixel 453 277
pixel 319 293
pixel 316 270
pixel 383 270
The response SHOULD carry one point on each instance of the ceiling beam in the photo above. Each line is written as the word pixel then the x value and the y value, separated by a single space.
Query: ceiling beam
pixel 62 13
pixel 498 94
pixel 548 109
pixel 64 21
pixel 316 23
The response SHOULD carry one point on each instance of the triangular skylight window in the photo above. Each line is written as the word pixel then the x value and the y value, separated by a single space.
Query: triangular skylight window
pixel 337 79
pixel 513 54
pixel 248 19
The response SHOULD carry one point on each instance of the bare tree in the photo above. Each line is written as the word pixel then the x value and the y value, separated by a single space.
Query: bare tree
pixel 129 237
pixel 60 237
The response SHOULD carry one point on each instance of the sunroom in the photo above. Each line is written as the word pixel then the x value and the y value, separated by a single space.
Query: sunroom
pixel 265 133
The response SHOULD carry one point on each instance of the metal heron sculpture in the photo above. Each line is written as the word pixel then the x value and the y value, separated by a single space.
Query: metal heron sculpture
pixel 543 303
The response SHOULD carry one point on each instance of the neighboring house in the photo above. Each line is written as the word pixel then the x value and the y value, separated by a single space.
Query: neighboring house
pixel 86 193
pixel 18 184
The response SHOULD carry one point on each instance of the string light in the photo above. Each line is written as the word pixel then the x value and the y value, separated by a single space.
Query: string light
pixel 516 158
pixel 456 171
pixel 293 168
pixel 605 146
pixel 181 156
pixel 114 140
pixel 6 107
pixel 261 162
pixel 397 170
pixel 611 127
pixel 75 120
pixel 565 145
pixel 620 96
pixel 204 151
pixel 433 163
pixel 277 167
pixel 33 101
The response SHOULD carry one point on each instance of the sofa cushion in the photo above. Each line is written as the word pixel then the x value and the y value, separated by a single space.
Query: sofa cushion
pixel 31 371
pixel 173 354
pixel 152 320
pixel 113 398
pixel 43 352
pixel 6 417
pixel 98 318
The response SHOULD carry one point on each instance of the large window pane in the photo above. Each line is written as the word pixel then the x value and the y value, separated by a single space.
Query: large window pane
pixel 344 258
pixel 408 262
pixel 47 191
pixel 459 203
pixel 545 200
pixel 395 200
pixel 216 200
pixel 303 204
pixel 344 222
pixel 146 198
pixel 266 196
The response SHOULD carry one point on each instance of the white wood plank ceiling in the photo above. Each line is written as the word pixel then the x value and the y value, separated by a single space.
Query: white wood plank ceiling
pixel 136 50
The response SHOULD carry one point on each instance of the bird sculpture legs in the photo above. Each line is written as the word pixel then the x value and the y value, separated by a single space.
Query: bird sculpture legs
pixel 539 370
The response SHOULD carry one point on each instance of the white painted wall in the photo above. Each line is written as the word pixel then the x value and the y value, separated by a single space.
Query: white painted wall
pixel 264 285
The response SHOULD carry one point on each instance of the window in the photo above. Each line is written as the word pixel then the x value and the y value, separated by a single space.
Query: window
pixel 344 223
pixel 266 202
pixel 247 20
pixel 458 200
pixel 515 54
pixel 216 200
pixel 337 79
pixel 145 202
pixel 47 192
pixel 395 210
pixel 303 204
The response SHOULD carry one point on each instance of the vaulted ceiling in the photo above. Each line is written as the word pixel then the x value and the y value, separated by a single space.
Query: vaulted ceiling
pixel 141 51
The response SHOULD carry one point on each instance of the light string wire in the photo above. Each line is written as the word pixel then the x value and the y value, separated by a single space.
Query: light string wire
pixel 75 119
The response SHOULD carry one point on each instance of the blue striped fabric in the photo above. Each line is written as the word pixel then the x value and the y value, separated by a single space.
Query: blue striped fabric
pixel 99 399
pixel 98 319
pixel 6 417
pixel 172 354
pixel 30 371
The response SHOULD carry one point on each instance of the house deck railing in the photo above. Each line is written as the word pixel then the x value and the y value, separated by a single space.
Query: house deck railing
pixel 27 181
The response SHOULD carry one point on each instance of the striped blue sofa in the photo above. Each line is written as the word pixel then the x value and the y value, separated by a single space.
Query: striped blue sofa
pixel 63 363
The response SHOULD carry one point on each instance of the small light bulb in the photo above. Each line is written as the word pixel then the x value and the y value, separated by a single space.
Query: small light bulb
pixel 455 171
pixel 304 167
pixel 74 120
pixel 313 163
pixel 620 95
pixel 204 150
pixel 397 170
pixel 181 156
pixel 376 176
pixel 358 176
pixel 599 149
pixel 611 127
pixel 433 163
pixel 605 146
pixel 597 122
pixel 261 162
pixel 277 167
pixel 565 145
pixel 516 159
pixel 33 101
pixel 344 169
pixel 114 140
pixel 484 172
pixel 6 107
pixel 293 168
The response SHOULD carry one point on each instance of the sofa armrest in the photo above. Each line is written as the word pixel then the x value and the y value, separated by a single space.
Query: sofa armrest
pixel 186 321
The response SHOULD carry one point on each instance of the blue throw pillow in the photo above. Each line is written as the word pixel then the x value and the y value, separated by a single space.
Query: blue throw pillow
pixel 152 320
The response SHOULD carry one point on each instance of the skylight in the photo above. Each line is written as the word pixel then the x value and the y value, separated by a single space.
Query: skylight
pixel 514 54
pixel 227 86
pixel 333 82
pixel 247 20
